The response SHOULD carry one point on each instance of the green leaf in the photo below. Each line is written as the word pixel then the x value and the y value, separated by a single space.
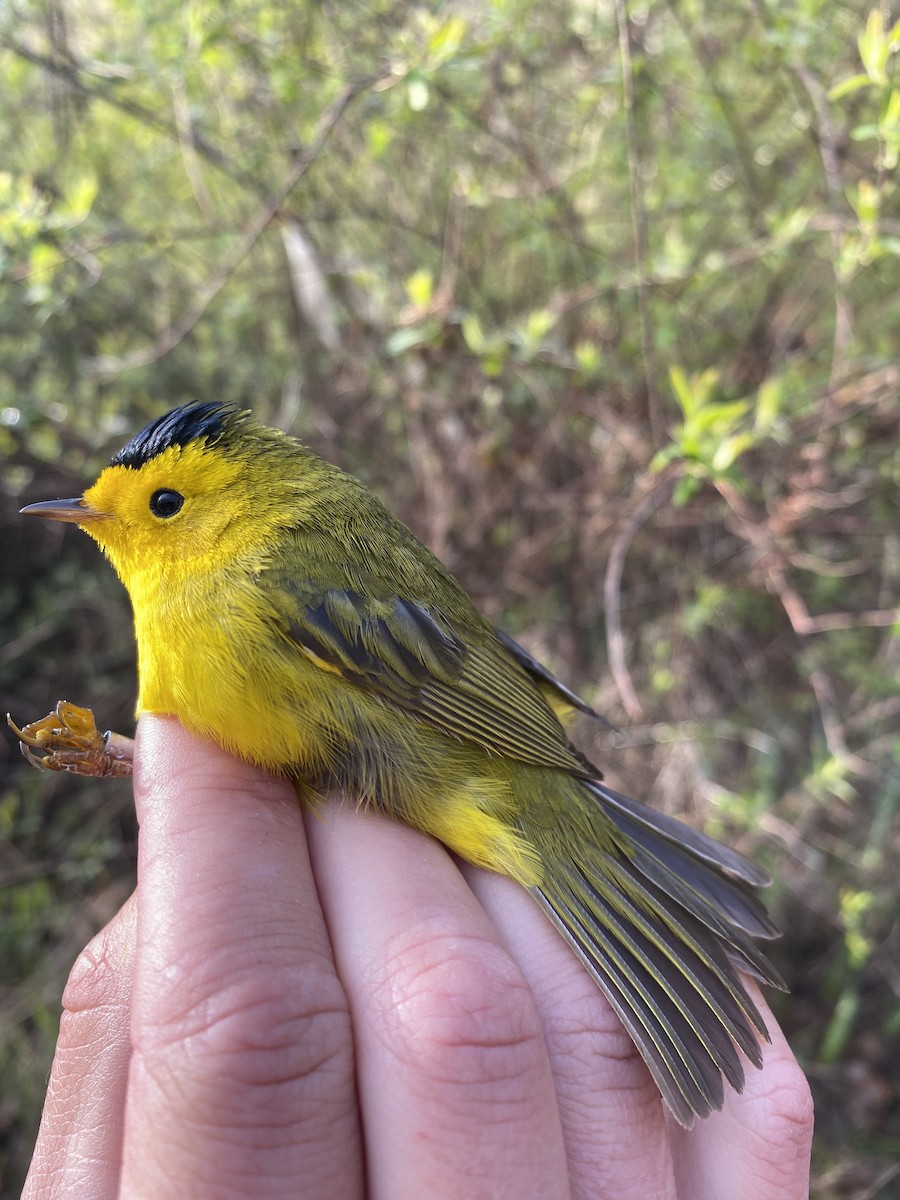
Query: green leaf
pixel 768 405
pixel 682 390
pixel 685 490
pixel 729 451
pixel 492 364
pixel 864 133
pixel 419 287
pixel 537 325
pixel 891 115
pixel 410 336
pixel 663 457
pixel 79 199
pixel 866 201
pixel 793 226
pixel 446 41
pixel 379 134
pixel 417 93
pixel 587 356
pixel 473 334
pixel 720 417
pixel 692 393
pixel 853 84
pixel 874 48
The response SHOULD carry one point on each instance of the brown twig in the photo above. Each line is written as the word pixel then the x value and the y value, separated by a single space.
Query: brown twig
pixel 776 561
pixel 753 530
pixel 828 622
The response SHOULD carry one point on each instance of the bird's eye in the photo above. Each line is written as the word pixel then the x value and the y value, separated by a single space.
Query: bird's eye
pixel 166 503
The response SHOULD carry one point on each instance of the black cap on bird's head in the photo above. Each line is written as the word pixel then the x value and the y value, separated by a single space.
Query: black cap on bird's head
pixel 207 420
pixel 229 432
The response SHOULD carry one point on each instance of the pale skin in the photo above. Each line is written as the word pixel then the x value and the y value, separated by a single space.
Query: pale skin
pixel 331 1006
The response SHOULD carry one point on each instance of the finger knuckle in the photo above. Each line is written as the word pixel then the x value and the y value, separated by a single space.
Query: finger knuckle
pixel 260 1030
pixel 457 1012
pixel 786 1116
pixel 91 980
pixel 95 998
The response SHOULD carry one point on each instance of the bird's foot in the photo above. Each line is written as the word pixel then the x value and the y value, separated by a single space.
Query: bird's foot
pixel 68 739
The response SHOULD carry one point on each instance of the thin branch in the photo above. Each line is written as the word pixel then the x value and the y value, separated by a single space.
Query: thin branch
pixel 109 367
pixel 828 710
pixel 753 530
pixel 852 620
pixel 733 114
pixel 612 593
pixel 828 140
pixel 72 73
pixel 187 143
pixel 27 641
pixel 775 565
pixel 638 220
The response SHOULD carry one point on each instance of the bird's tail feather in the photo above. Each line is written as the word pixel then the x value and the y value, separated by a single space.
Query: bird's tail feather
pixel 664 919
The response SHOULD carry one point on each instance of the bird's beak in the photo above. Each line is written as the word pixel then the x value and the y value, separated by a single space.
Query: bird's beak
pixel 74 510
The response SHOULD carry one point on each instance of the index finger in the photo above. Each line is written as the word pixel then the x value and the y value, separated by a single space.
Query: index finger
pixel 242 1072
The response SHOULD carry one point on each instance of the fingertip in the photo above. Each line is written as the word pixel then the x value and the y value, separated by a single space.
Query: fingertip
pixel 170 761
pixel 155 733
pixel 102 973
pixel 759 1145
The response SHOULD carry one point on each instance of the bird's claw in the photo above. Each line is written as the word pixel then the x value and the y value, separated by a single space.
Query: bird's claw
pixel 68 739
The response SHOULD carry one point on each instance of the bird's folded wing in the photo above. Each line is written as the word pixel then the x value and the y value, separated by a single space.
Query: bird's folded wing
pixel 412 654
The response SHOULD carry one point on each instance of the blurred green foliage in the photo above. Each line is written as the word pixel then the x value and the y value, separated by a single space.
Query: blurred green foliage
pixel 565 298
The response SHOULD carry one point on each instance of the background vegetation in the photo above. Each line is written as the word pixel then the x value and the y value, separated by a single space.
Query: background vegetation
pixel 603 299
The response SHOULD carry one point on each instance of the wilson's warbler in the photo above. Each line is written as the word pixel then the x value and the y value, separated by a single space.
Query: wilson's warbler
pixel 281 611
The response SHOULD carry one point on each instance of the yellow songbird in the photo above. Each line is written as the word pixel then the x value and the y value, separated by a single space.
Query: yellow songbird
pixel 281 611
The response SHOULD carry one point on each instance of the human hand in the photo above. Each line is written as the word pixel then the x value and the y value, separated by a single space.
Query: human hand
pixel 331 1007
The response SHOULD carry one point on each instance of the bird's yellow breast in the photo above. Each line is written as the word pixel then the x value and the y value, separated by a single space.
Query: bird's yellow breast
pixel 227 672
